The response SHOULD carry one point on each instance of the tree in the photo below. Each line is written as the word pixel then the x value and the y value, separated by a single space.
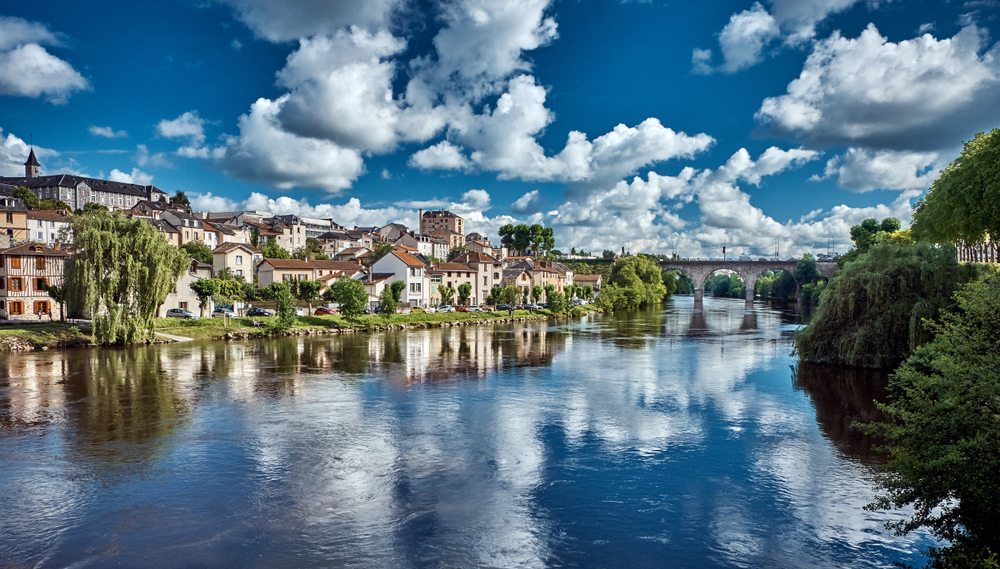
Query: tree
pixel 464 292
pixel 254 235
pixel 121 274
pixel 308 292
pixel 873 311
pixel 508 295
pixel 447 294
pixel 536 293
pixel 205 289
pixel 198 251
pixel 587 292
pixel 32 201
pixel 350 295
pixel 387 303
pixel 181 199
pixel 494 296
pixel 380 250
pixel 806 271
pixel 608 255
pixel 964 202
pixel 549 289
pixel 313 250
pixel 58 294
pixel 284 301
pixel 942 433
pixel 271 250
pixel 397 290
pixel 866 234
pixel 641 275
pixel 457 252
pixel 537 239
pixel 557 302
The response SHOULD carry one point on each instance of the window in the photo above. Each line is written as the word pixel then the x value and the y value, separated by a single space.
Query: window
pixel 42 307
pixel 41 236
pixel 15 262
pixel 1 283
pixel 239 259
pixel 415 287
pixel 239 272
pixel 183 305
pixel 10 217
pixel 40 262
pixel 41 284
pixel 41 223
pixel 286 278
pixel 16 308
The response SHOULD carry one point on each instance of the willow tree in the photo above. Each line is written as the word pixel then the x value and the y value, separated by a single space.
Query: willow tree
pixel 874 310
pixel 122 273
pixel 964 202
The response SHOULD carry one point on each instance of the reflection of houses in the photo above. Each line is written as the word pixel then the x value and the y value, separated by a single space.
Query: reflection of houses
pixel 25 273
pixel 182 296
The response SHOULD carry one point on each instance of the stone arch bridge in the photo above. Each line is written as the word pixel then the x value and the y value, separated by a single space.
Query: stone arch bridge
pixel 699 271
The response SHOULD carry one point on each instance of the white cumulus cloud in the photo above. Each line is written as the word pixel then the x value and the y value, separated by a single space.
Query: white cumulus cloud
pixel 28 70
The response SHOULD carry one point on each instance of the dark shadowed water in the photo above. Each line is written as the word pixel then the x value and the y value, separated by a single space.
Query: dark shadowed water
pixel 668 439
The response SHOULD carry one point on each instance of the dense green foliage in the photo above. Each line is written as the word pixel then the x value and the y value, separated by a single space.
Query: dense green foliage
pixel 313 250
pixel 181 199
pixel 866 234
pixel 271 250
pixel 872 313
pixel 388 302
pixel 447 294
pixel 942 430
pixel 284 300
pixel 122 273
pixel 204 289
pixel 775 285
pixel 528 239
pixel 198 251
pixel 464 293
pixel 58 293
pixel 964 202
pixel 381 250
pixel 635 282
pixel 557 302
pixel 726 285
pixel 350 295
pixel 32 201
pixel 308 291
pixel 509 294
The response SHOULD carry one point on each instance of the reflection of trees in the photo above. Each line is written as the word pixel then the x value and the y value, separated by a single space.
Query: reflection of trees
pixel 634 330
pixel 125 395
pixel 843 396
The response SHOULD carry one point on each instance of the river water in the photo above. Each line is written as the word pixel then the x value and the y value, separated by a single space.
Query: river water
pixel 673 438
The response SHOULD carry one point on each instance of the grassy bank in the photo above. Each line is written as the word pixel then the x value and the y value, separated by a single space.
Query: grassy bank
pixel 28 336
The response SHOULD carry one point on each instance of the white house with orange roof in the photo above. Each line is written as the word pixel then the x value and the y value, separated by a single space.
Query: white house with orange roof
pixel 407 267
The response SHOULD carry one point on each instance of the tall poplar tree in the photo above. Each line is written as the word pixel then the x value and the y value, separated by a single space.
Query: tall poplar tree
pixel 122 273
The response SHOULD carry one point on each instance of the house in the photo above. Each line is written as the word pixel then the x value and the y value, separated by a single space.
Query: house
pixel 375 283
pixel 289 236
pixel 288 270
pixel 78 191
pixel 49 226
pixel 526 273
pixel 593 281
pixel 441 219
pixel 488 271
pixel 406 267
pixel 169 232
pixel 191 227
pixel 153 209
pixel 312 226
pixel 13 222
pixel 226 232
pixel 392 232
pixel 182 296
pixel 339 239
pixel 239 258
pixel 26 271
pixel 352 254
pixel 452 275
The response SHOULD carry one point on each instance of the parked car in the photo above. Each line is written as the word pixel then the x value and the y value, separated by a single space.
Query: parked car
pixel 255 311
pixel 324 311
pixel 181 313
pixel 475 309
pixel 222 312
pixel 532 307
pixel 430 310
pixel 300 311
pixel 505 307
pixel 462 309
pixel 446 308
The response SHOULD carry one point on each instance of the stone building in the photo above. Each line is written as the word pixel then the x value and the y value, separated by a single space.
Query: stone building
pixel 25 273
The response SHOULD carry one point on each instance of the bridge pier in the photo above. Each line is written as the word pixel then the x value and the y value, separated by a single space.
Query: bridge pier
pixel 699 294
pixel 749 296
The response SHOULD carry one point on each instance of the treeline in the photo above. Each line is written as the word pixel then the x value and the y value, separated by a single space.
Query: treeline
pixel 635 282
pixel 902 299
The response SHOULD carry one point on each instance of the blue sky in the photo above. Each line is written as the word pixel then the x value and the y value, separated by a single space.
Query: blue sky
pixel 651 125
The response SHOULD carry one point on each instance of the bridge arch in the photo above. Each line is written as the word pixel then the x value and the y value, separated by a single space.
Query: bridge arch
pixel 749 271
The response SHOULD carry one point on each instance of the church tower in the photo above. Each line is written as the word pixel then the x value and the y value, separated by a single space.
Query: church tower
pixel 32 169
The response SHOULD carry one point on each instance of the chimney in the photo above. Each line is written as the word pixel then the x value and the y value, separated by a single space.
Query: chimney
pixel 420 221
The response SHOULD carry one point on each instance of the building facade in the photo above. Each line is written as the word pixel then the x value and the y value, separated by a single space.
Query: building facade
pixel 26 271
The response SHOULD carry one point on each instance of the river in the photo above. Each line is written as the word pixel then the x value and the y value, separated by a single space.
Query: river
pixel 670 438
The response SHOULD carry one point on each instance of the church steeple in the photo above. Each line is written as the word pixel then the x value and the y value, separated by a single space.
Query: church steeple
pixel 32 169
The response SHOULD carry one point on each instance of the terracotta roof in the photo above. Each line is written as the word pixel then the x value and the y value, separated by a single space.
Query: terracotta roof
pixel 34 249
pixel 49 215
pixel 408 258
pixel 477 257
pixel 227 247
pixel 452 267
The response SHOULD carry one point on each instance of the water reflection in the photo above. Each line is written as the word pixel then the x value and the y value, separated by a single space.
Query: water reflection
pixel 593 443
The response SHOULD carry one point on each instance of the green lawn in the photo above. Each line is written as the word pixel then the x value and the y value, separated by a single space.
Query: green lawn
pixel 48 334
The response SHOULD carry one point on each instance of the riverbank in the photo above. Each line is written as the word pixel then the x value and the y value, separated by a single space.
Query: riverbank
pixel 55 335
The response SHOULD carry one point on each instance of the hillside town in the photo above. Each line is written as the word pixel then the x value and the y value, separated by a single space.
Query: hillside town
pixel 35 244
